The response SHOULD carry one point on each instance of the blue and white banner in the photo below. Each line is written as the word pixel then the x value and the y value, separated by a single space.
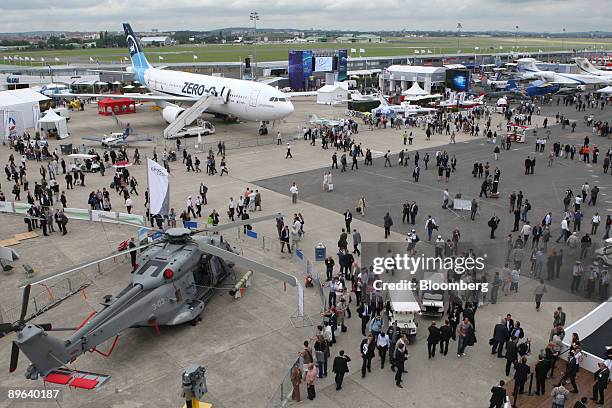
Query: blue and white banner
pixel 159 188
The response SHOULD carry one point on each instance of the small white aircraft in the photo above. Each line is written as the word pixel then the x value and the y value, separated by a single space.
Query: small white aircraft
pixel 460 102
pixel 237 98
pixel 315 120
pixel 406 108
pixel 119 139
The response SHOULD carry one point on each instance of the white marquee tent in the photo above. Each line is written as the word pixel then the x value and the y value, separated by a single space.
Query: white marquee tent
pixel 415 90
pixel 23 105
pixel 332 94
pixel 53 121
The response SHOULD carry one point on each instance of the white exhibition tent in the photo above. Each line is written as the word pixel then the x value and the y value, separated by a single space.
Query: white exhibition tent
pixel 332 94
pixel 21 107
pixel 52 120
pixel 415 90
pixel 606 90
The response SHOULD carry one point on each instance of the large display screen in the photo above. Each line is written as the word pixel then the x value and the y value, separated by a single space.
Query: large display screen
pixel 324 64
pixel 342 65
pixel 458 80
pixel 307 63
pixel 296 70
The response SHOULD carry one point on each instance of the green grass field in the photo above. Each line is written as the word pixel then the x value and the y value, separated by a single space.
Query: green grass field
pixel 278 52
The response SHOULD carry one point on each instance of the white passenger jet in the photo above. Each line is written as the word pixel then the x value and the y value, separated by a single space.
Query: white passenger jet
pixel 169 89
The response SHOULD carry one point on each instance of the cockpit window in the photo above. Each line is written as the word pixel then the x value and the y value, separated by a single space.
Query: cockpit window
pixel 272 99
pixel 281 99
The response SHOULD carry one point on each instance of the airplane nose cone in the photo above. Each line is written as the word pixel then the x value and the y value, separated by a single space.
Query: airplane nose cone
pixel 289 109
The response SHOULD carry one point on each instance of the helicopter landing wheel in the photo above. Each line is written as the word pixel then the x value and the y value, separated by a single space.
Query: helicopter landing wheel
pixel 195 321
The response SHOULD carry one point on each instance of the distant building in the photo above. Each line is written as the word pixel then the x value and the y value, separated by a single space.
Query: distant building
pixel 361 38
pixel 156 41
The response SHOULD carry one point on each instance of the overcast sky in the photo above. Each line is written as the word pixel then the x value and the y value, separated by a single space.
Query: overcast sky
pixel 95 15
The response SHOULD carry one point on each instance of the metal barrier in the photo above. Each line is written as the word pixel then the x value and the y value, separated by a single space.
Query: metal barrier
pixel 282 393
pixel 193 146
pixel 45 296
pixel 254 240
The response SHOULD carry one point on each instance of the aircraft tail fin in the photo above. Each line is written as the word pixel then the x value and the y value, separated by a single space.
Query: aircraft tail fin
pixel 139 61
pixel 382 100
pixel 527 65
pixel 585 66
pixel 511 85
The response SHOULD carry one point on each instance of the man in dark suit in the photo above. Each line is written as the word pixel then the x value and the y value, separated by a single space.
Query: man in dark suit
pixel 521 371
pixel 509 324
pixel 601 382
pixel 340 368
pixel 394 335
pixel 517 331
pixel 571 369
pixel 400 357
pixel 498 395
pixel 433 339
pixel 348 218
pixel 559 317
pixel 541 368
pixel 511 354
pixel 445 334
pixel 500 335
pixel 368 345
pixel 364 313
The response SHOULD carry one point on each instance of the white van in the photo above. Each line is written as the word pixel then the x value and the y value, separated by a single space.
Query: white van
pixel 403 309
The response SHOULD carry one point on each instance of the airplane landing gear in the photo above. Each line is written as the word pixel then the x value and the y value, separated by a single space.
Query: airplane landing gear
pixel 263 129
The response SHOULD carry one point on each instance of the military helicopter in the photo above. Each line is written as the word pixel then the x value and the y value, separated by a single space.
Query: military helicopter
pixel 176 276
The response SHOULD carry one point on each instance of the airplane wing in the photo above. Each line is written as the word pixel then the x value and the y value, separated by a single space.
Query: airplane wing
pixel 93 138
pixel 138 138
pixel 110 71
pixel 143 97
pixel 292 94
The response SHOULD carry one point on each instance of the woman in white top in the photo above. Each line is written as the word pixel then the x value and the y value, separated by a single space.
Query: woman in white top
pixel 325 182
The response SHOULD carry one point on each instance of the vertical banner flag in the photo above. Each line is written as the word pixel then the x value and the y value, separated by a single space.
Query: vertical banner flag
pixel 159 188
pixel 342 65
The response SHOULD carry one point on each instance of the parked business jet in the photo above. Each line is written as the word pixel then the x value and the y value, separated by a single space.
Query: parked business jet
pixel 246 100
pixel 528 71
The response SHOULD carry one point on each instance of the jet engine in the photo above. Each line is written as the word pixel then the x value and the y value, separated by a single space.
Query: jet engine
pixel 171 112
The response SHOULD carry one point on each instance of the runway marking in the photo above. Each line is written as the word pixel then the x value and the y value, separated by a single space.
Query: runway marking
pixel 594 175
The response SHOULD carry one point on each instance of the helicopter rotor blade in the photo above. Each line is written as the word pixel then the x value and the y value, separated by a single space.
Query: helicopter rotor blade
pixel 53 275
pixel 248 264
pixel 239 223
pixel 14 358
pixel 24 302
pixel 131 224
pixel 6 327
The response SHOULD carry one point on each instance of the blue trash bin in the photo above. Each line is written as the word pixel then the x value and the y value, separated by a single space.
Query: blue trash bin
pixel 320 252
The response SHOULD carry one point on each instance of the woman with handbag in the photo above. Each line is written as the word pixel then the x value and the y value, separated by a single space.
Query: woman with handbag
pixel 361 206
